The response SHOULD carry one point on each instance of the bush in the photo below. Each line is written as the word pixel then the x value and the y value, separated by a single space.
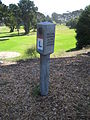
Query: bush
pixel 31 52
pixel 83 29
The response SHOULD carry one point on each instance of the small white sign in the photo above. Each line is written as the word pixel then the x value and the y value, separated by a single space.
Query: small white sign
pixel 39 44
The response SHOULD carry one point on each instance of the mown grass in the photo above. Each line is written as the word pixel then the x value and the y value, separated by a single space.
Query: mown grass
pixel 64 41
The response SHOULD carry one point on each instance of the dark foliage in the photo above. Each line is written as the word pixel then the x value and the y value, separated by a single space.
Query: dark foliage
pixel 28 12
pixel 3 12
pixel 40 17
pixel 83 29
pixel 72 23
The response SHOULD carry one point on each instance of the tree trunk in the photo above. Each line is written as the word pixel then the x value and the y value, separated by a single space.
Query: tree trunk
pixel 12 29
pixel 18 32
pixel 26 28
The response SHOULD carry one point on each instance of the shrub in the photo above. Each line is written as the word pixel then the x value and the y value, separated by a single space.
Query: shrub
pixel 83 29
pixel 31 52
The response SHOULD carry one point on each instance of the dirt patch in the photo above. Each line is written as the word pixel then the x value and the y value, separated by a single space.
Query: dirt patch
pixel 4 55
pixel 69 90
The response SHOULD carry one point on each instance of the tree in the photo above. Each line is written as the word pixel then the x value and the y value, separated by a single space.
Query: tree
pixel 13 17
pixel 3 12
pixel 40 17
pixel 17 15
pixel 72 23
pixel 55 18
pixel 37 18
pixel 48 18
pixel 34 23
pixel 28 11
pixel 83 29
pixel 0 2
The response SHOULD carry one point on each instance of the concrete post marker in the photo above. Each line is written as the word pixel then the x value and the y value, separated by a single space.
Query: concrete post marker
pixel 45 46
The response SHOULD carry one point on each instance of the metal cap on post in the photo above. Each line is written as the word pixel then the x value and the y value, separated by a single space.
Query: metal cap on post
pixel 45 46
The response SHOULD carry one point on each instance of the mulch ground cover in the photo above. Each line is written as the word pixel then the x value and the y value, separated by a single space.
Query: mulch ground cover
pixel 69 90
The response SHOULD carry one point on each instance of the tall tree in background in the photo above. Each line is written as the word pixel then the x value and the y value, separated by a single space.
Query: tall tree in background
pixel 12 18
pixel 72 23
pixel 40 17
pixel 55 18
pixel 48 18
pixel 0 2
pixel 83 29
pixel 28 11
pixel 3 12
pixel 16 14
pixel 34 23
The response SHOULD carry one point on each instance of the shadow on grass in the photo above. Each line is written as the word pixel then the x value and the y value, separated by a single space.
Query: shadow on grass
pixel 73 49
pixel 13 35
pixel 4 39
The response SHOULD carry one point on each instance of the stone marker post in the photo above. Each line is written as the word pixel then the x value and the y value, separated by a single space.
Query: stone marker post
pixel 45 46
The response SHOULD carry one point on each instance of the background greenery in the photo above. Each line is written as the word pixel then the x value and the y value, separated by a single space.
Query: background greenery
pixel 26 44
pixel 26 14
pixel 83 29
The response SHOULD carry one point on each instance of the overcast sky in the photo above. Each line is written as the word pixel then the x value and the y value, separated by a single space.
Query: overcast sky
pixel 60 6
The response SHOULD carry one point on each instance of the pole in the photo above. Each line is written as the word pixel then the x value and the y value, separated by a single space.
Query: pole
pixel 44 74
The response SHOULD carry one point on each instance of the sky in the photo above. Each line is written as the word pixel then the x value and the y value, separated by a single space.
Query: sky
pixel 59 6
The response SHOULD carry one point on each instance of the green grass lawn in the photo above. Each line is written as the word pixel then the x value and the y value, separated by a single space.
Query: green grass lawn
pixel 64 40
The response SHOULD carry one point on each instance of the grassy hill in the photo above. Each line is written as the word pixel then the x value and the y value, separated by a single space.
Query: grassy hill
pixel 25 44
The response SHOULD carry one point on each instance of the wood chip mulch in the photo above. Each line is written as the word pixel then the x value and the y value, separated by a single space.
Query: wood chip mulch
pixel 69 90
